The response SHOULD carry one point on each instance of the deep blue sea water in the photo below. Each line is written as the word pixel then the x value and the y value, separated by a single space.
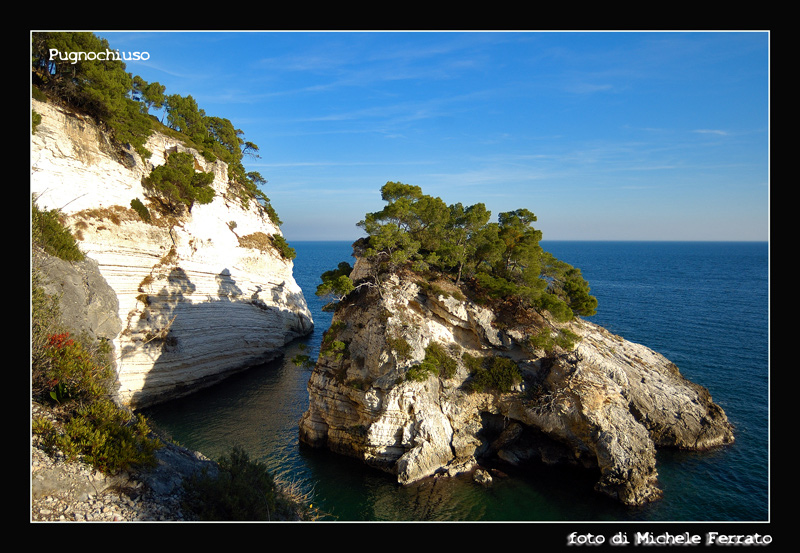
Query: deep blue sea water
pixel 704 305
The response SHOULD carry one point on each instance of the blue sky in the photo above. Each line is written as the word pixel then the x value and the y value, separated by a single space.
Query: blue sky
pixel 603 135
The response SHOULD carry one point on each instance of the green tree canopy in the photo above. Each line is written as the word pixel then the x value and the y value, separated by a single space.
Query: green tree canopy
pixel 336 284
pixel 151 95
pixel 461 232
pixel 184 115
pixel 101 88
pixel 178 183
pixel 98 88
pixel 501 259
pixel 80 77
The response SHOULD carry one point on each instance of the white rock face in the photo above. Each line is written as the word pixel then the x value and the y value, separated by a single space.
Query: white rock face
pixel 199 296
pixel 603 403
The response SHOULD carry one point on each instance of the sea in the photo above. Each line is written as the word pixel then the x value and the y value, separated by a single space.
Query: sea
pixel 704 305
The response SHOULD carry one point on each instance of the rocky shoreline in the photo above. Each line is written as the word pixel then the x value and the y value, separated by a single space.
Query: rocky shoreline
pixel 62 491
pixel 74 491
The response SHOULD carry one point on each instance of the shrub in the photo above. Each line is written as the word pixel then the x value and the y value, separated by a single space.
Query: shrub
pixel 280 244
pixel 49 234
pixel 72 372
pixel 141 209
pixel 177 182
pixel 107 437
pixel 334 348
pixel 420 373
pixel 499 374
pixel 242 490
pixel 37 94
pixel 542 340
pixel 473 364
pixel 257 241
pixel 45 313
pixel 76 379
pixel 265 242
pixel 436 362
pixel 566 339
pixel 546 341
pixel 439 358
pixel 36 119
pixel 92 427
pixel 400 347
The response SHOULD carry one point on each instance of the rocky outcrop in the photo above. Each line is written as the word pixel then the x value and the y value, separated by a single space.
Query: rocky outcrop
pixel 87 304
pixel 199 295
pixel 599 402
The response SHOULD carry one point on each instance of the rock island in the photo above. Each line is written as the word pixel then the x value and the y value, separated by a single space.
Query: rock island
pixel 455 341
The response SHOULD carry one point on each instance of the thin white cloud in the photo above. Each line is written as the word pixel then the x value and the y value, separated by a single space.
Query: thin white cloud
pixel 587 88
pixel 711 131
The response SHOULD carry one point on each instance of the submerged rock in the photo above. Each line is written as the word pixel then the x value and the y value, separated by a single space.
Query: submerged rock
pixel 601 402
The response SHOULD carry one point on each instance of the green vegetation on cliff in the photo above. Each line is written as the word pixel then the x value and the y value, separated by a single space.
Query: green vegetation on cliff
pixel 493 260
pixel 102 88
pixel 177 183
pixel 74 376
pixel 437 362
pixel 49 234
pixel 336 284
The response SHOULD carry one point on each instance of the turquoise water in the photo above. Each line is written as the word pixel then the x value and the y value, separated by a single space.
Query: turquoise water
pixel 703 305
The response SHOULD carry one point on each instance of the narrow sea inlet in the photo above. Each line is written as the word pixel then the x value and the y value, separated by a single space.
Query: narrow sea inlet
pixel 686 300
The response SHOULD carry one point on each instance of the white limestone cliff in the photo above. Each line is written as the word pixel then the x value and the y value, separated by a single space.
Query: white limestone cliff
pixel 200 295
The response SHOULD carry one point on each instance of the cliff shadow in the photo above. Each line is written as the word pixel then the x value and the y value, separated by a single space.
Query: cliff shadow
pixel 181 339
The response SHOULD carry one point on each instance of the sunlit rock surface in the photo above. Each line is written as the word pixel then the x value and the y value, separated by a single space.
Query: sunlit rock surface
pixel 200 295
pixel 605 404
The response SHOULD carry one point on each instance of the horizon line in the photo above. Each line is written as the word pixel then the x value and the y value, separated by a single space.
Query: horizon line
pixel 575 240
